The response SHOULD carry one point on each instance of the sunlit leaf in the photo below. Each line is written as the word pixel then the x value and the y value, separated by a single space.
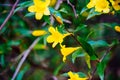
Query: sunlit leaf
pixel 87 59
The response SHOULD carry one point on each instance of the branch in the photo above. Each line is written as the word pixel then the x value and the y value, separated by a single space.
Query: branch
pixel 9 15
pixel 25 54
pixel 107 51
pixel 10 5
pixel 73 7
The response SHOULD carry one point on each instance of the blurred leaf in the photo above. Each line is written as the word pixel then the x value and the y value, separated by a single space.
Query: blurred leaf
pixel 39 46
pixel 89 35
pixel 87 59
pixel 81 74
pixel 64 74
pixel 92 13
pixel 83 10
pixel 99 43
pixel 61 29
pixel 2 60
pixel 100 70
pixel 13 43
pixel 26 3
pixel 22 72
pixel 87 47
pixel 1 50
pixel 38 74
pixel 23 5
pixel 102 66
pixel 63 10
pixel 52 10
pixel 23 31
pixel 29 14
pixel 80 27
pixel 58 69
pixel 77 53
pixel 56 14
pixel 47 19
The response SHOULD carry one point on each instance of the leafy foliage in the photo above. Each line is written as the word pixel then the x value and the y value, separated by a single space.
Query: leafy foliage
pixel 84 33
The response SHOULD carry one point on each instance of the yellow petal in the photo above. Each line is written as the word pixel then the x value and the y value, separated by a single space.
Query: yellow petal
pixel 67 34
pixel 67 51
pixel 39 32
pixel 74 76
pixel 47 2
pixel 117 28
pixel 46 12
pixel 51 29
pixel 50 39
pixel 38 16
pixel 54 44
pixel 52 2
pixel 31 8
pixel 91 3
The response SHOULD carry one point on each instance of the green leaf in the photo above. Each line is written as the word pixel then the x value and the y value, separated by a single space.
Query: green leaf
pixel 22 72
pixel 92 13
pixel 26 3
pixel 63 10
pixel 39 46
pixel 100 70
pixel 13 43
pixel 80 27
pixel 23 5
pixel 88 48
pixel 29 14
pixel 58 69
pixel 23 31
pixel 87 59
pixel 77 53
pixel 47 19
pixel 81 74
pixel 83 10
pixel 2 60
pixel 99 43
pixel 52 10
pixel 102 66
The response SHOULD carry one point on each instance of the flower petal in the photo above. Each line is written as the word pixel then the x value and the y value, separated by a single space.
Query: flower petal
pixel 51 29
pixel 31 8
pixel 39 32
pixel 46 12
pixel 54 44
pixel 50 39
pixel 38 16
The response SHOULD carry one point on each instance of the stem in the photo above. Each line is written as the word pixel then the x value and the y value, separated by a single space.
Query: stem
pixel 25 54
pixel 9 15
pixel 107 51
pixel 73 7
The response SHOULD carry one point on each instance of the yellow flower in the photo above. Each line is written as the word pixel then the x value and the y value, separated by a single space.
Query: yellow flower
pixel 91 3
pixel 117 28
pixel 115 4
pixel 102 6
pixel 52 2
pixel 67 51
pixel 55 37
pixel 74 76
pixel 39 32
pixel 40 8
